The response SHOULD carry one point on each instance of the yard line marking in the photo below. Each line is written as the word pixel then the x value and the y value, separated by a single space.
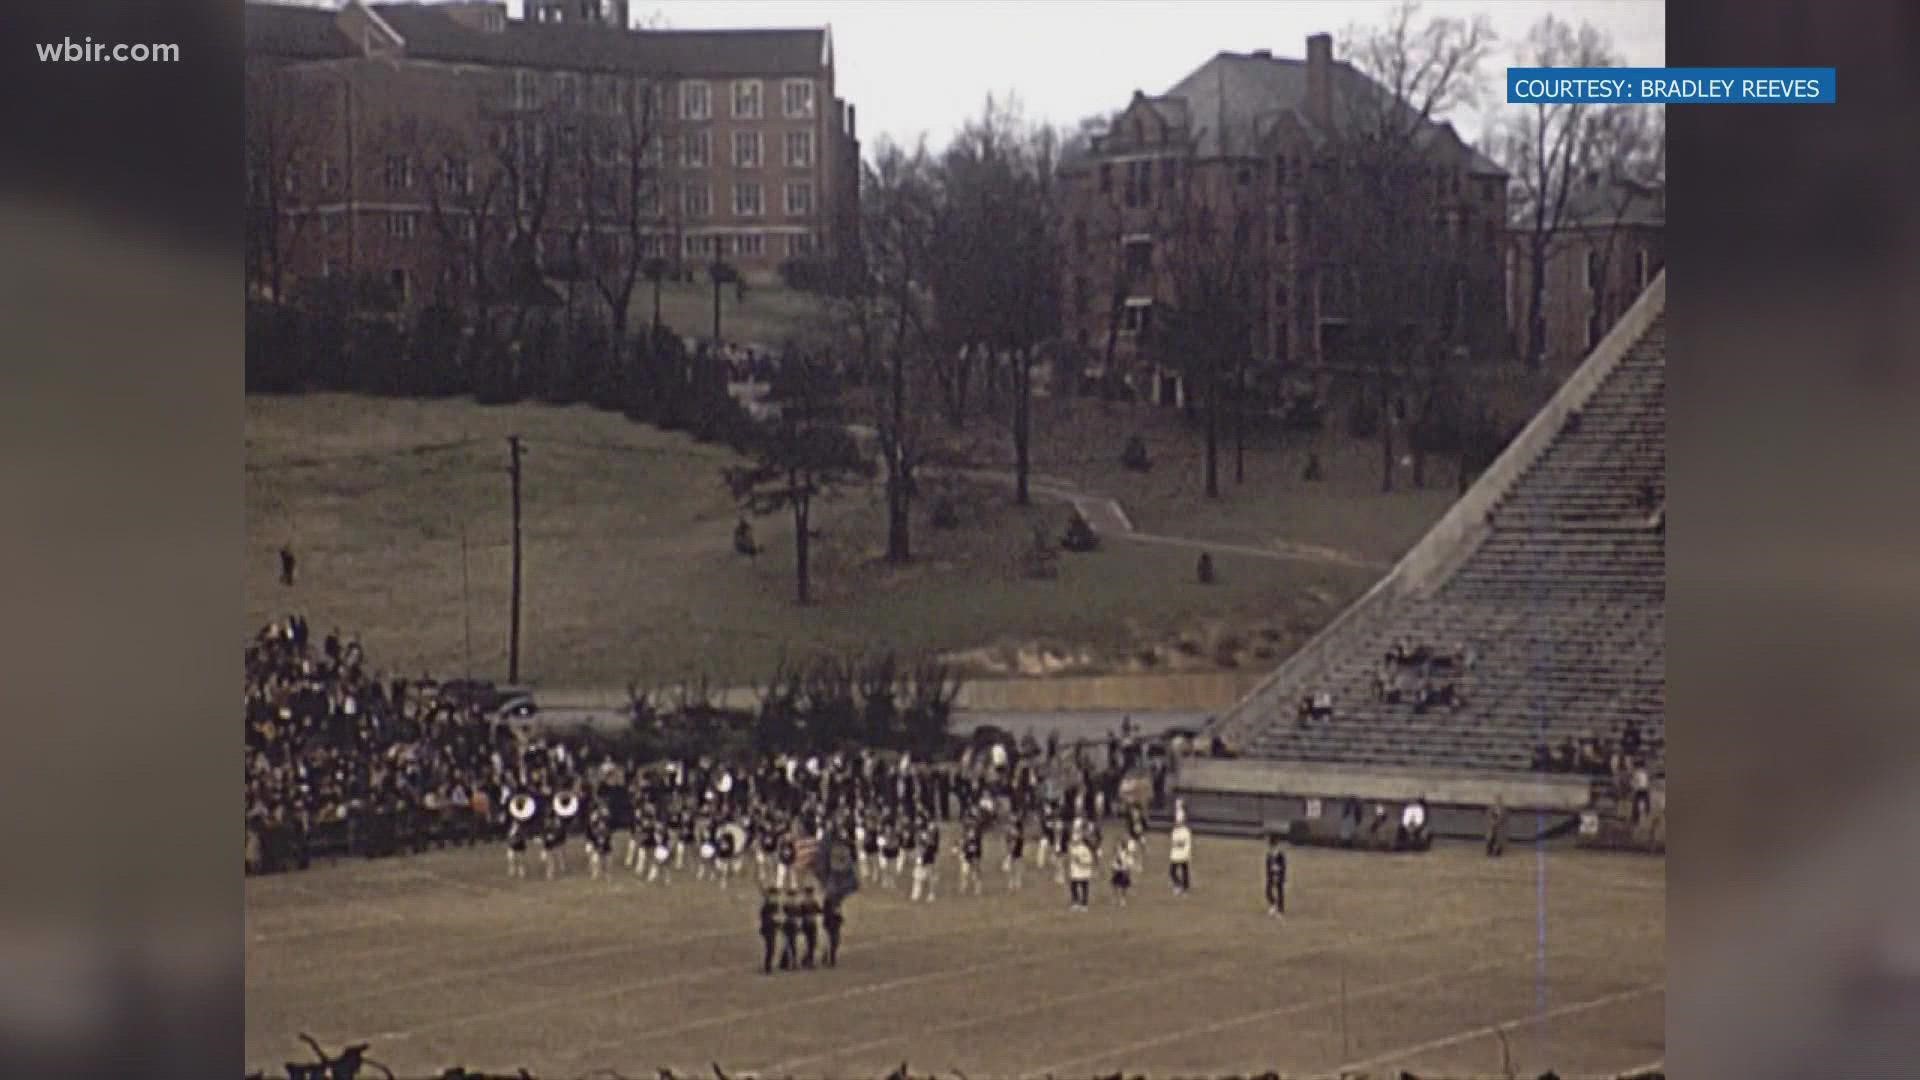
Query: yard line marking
pixel 1641 1070
pixel 1279 1011
pixel 1524 1020
pixel 1023 953
pixel 1157 979
pixel 550 1001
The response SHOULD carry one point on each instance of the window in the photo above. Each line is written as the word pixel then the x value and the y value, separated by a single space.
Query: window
pixel 799 199
pixel 1593 271
pixel 1139 255
pixel 1280 225
pixel 749 243
pixel 746 99
pixel 397 279
pixel 568 86
pixel 696 101
pixel 800 149
pixel 526 90
pixel 1169 172
pixel 399 173
pixel 1080 295
pixel 1280 297
pixel 800 245
pixel 290 178
pixel 1139 183
pixel 697 200
pixel 329 174
pixel 747 201
pixel 1106 177
pixel 746 149
pixel 1640 269
pixel 458 175
pixel 647 198
pixel 796 97
pixel 695 149
pixel 1280 172
pixel 402 226
pixel 1137 317
pixel 701 247
pixel 1080 235
pixel 1244 176
pixel 1242 229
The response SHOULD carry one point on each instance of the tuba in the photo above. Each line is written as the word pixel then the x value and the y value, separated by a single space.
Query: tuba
pixel 566 805
pixel 522 807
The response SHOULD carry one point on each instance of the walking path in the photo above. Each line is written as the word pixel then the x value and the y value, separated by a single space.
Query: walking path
pixel 1109 519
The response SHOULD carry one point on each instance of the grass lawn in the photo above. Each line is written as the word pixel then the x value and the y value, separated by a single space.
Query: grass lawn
pixel 629 568
pixel 769 316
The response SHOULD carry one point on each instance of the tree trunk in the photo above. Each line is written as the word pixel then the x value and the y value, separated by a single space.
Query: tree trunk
pixel 1022 422
pixel 1386 436
pixel 800 542
pixel 716 313
pixel 1239 424
pixel 1536 303
pixel 899 502
pixel 1213 432
pixel 656 303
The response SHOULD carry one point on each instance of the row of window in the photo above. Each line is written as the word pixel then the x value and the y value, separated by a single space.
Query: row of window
pixel 1138 178
pixel 406 226
pixel 610 94
pixel 696 149
pixel 696 200
pixel 796 99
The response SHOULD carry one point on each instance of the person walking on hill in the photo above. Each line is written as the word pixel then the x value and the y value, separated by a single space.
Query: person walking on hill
pixel 769 929
pixel 1079 873
pixel 286 565
pixel 1180 852
pixel 1496 828
pixel 1276 877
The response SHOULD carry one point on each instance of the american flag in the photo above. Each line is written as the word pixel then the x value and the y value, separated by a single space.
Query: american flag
pixel 805 850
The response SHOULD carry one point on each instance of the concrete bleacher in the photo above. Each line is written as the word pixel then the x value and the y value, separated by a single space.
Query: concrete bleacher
pixel 1550 572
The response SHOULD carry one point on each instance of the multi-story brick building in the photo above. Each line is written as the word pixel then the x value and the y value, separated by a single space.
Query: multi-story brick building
pixel 1610 243
pixel 371 126
pixel 1247 134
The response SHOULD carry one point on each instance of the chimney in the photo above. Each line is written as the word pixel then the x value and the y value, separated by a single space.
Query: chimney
pixel 852 131
pixel 1320 79
pixel 487 16
pixel 1263 54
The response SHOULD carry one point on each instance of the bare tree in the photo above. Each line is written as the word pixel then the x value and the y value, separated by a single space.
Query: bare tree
pixel 886 309
pixel 1388 237
pixel 1630 166
pixel 996 258
pixel 283 120
pixel 1205 329
pixel 1550 149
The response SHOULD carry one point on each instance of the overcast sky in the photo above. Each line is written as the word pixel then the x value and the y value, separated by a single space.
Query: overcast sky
pixel 924 66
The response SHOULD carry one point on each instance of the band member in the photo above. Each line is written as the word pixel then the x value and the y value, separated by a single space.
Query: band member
pixel 1016 848
pixel 516 849
pixel 970 861
pixel 783 872
pixel 661 868
pixel 1079 861
pixel 926 867
pixel 1496 829
pixel 860 839
pixel 553 846
pixel 600 845
pixel 1180 855
pixel 1125 858
pixel 769 845
pixel 889 854
pixel 909 830
pixel 636 851
pixel 831 918
pixel 726 857
pixel 789 928
pixel 689 831
pixel 709 851
pixel 1045 847
pixel 809 924
pixel 1137 829
pixel 769 928
pixel 1063 838
pixel 1276 877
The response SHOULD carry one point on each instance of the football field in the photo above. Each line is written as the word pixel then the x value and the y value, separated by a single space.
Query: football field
pixel 1436 963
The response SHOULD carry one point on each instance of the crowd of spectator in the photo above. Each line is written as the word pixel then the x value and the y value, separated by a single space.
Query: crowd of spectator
pixel 1625 762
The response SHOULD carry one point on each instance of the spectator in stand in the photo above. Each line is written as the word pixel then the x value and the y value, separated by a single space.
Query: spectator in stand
pixel 1542 757
pixel 1642 791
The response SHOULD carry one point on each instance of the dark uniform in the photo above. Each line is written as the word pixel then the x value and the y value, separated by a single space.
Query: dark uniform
pixel 1276 879
pixel 809 925
pixel 789 930
pixel 517 836
pixel 769 929
pixel 832 919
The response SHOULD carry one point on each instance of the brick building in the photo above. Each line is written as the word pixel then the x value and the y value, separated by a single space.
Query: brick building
pixel 1610 244
pixel 370 126
pixel 1244 133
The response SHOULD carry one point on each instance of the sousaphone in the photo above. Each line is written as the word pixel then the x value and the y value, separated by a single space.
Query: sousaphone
pixel 522 807
pixel 735 837
pixel 566 805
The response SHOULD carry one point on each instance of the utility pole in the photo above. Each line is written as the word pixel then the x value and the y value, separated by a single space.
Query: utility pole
pixel 513 639
pixel 466 597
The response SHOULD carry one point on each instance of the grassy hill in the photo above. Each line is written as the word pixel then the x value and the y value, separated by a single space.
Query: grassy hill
pixel 399 514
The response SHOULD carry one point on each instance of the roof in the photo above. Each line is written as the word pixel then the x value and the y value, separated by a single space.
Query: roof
pixel 293 33
pixel 1235 98
pixel 430 33
pixel 1616 202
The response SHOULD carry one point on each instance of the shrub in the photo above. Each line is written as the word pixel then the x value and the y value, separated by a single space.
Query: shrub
pixel 1205 569
pixel 1080 536
pixel 1134 457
